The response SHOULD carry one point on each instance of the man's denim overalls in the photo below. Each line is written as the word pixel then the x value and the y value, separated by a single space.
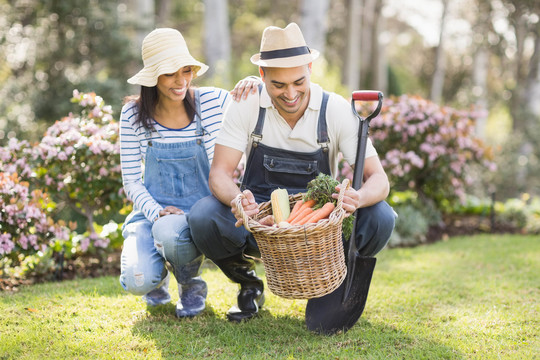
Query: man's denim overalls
pixel 268 168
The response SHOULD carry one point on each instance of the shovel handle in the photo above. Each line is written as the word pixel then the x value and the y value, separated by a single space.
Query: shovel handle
pixel 366 95
pixel 361 95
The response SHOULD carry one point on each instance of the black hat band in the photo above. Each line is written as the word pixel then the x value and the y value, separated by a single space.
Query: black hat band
pixel 283 53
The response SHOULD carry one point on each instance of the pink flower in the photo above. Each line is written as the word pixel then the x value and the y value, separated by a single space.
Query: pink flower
pixel 62 156
pixel 101 242
pixel 61 233
pixel 33 212
pixel 33 240
pixel 6 245
pixel 85 243
pixel 23 241
pixel 456 167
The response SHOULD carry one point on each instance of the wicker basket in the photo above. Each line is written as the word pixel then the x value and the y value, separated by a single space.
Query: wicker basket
pixel 301 261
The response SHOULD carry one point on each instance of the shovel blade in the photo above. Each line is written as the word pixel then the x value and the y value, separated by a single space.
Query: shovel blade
pixel 334 312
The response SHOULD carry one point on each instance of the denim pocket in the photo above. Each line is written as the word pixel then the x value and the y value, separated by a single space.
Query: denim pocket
pixel 289 173
pixel 178 177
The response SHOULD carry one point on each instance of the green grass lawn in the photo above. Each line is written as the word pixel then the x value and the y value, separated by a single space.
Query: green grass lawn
pixel 466 298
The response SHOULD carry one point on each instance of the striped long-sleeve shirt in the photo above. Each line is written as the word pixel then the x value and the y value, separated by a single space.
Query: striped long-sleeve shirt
pixel 133 144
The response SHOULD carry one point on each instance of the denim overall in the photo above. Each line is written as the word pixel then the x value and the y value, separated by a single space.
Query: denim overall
pixel 268 168
pixel 176 174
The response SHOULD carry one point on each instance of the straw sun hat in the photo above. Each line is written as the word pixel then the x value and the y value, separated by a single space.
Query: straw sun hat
pixel 284 48
pixel 164 51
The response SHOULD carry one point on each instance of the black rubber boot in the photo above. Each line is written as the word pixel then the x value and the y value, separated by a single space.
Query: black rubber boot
pixel 241 270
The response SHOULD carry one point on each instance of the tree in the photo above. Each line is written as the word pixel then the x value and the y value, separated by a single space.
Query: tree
pixel 440 63
pixel 313 23
pixel 53 47
pixel 145 12
pixel 372 56
pixel 163 13
pixel 217 41
pixel 378 52
pixel 532 85
pixel 481 28
pixel 351 73
pixel 523 19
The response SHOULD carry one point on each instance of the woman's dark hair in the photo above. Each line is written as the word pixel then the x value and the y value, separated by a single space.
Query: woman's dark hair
pixel 147 102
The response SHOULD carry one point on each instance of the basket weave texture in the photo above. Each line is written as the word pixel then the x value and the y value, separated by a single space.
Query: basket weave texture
pixel 301 261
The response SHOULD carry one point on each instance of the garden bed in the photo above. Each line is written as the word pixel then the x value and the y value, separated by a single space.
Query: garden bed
pixel 84 266
pixel 90 266
pixel 463 225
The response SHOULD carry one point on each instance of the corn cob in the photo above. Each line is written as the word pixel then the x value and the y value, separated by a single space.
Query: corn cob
pixel 280 205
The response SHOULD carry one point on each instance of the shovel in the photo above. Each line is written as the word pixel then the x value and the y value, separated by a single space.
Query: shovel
pixel 342 308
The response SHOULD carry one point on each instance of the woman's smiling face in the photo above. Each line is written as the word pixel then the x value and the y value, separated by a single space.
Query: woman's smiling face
pixel 174 86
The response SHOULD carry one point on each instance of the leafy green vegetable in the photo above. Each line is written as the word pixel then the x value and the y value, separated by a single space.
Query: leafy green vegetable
pixel 321 189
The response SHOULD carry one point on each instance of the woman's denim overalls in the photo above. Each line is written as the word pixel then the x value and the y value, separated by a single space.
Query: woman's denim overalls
pixel 175 174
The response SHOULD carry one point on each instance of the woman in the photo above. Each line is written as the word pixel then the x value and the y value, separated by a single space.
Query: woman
pixel 167 140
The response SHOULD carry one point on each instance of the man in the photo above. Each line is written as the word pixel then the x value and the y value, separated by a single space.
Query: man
pixel 289 133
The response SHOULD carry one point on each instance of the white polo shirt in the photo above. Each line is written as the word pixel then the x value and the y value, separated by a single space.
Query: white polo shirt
pixel 240 119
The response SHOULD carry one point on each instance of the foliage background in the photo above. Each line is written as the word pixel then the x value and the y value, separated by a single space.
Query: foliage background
pixel 52 48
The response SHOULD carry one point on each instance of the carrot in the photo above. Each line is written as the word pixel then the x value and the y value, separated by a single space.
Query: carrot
pixel 294 210
pixel 303 213
pixel 303 206
pixel 319 214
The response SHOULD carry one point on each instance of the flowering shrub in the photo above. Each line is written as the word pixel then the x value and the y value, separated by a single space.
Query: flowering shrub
pixel 78 163
pixel 14 158
pixel 25 224
pixel 427 148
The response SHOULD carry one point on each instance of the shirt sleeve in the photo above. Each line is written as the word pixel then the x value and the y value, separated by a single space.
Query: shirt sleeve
pixel 213 102
pixel 223 98
pixel 131 158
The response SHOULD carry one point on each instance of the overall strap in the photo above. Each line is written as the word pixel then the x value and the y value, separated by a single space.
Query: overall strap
pixel 256 135
pixel 200 130
pixel 148 135
pixel 322 130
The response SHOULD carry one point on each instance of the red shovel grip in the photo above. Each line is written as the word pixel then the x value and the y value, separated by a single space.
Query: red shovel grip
pixel 366 95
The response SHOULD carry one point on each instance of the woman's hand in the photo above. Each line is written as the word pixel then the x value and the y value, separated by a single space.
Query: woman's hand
pixel 244 87
pixel 249 204
pixel 171 210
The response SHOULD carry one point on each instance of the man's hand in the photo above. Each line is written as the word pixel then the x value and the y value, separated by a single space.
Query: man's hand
pixel 351 199
pixel 249 205
pixel 244 87
pixel 374 189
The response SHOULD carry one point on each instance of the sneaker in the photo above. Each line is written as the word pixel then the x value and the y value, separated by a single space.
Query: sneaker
pixel 160 295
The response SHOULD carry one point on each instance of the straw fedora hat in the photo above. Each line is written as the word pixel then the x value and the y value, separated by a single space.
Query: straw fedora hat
pixel 284 48
pixel 164 51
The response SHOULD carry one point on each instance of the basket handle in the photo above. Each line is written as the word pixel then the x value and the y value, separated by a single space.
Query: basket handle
pixel 240 209
pixel 346 184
